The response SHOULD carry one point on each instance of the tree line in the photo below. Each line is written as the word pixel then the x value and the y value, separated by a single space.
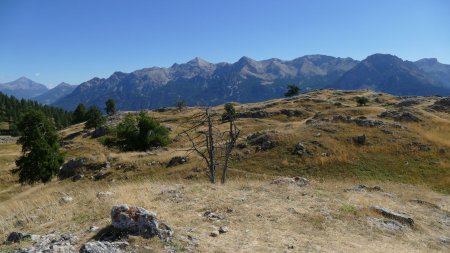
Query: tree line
pixel 13 109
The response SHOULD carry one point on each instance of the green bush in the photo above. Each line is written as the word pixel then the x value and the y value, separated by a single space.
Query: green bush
pixel 229 113
pixel 293 90
pixel 362 101
pixel 139 133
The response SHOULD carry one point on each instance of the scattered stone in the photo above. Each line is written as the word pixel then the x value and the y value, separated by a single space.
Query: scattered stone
pixel 402 218
pixel 173 194
pixel 391 226
pixel 93 228
pixel 364 188
pixel 214 234
pixel 444 240
pixel 301 150
pixel 420 146
pixel 138 221
pixel 298 181
pixel 361 121
pixel 425 203
pixel 65 199
pixel 290 246
pixel 241 145
pixel 177 160
pixel 360 139
pixel 101 175
pixel 213 216
pixel 77 177
pixel 104 195
pixel 103 247
pixel 223 229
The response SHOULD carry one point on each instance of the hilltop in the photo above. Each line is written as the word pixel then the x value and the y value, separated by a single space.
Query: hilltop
pixel 392 153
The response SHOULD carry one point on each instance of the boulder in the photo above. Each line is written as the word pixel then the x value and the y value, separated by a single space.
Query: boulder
pixel 400 217
pixel 104 195
pixel 177 160
pixel 103 247
pixel 140 222
pixel 101 175
pixel 71 168
pixel 263 141
pixel 300 150
pixel 99 132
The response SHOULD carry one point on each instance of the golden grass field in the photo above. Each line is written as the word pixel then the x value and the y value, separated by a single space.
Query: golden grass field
pixel 265 217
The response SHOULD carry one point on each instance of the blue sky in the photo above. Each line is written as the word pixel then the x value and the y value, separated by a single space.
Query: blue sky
pixel 76 40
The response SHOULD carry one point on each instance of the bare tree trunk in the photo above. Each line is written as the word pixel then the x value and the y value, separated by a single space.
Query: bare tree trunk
pixel 210 147
pixel 232 137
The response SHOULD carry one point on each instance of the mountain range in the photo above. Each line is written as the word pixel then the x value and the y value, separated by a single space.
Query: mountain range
pixel 29 89
pixel 199 82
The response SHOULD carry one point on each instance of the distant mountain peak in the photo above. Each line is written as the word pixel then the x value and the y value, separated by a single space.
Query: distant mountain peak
pixel 428 61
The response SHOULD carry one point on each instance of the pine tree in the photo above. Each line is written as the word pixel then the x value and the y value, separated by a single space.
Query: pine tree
pixel 79 115
pixel 293 90
pixel 94 118
pixel 41 158
pixel 110 107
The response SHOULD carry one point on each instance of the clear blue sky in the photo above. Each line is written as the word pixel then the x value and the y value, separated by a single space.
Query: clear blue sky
pixel 75 40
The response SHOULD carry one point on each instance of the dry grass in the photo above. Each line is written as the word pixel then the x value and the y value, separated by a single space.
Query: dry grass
pixel 265 217
pixel 319 218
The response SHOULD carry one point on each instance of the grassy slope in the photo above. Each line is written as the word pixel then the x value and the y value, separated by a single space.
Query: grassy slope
pixel 319 216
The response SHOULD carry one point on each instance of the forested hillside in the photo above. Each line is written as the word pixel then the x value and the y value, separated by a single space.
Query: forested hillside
pixel 12 109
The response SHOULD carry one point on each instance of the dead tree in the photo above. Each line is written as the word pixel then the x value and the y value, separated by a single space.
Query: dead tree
pixel 210 143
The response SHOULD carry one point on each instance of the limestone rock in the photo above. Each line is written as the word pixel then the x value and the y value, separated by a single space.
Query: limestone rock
pixel 297 181
pixel 400 217
pixel 140 222
pixel 103 247
pixel 177 160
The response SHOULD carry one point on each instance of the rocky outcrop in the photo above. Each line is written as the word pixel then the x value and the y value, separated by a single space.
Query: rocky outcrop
pixel 399 116
pixel 139 222
pixel 400 217
pixel 297 181
pixel 51 243
pixel 442 105
pixel 8 139
pixel 262 140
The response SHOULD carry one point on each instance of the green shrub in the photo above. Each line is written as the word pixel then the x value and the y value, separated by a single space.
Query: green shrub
pixel 139 133
pixel 362 101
